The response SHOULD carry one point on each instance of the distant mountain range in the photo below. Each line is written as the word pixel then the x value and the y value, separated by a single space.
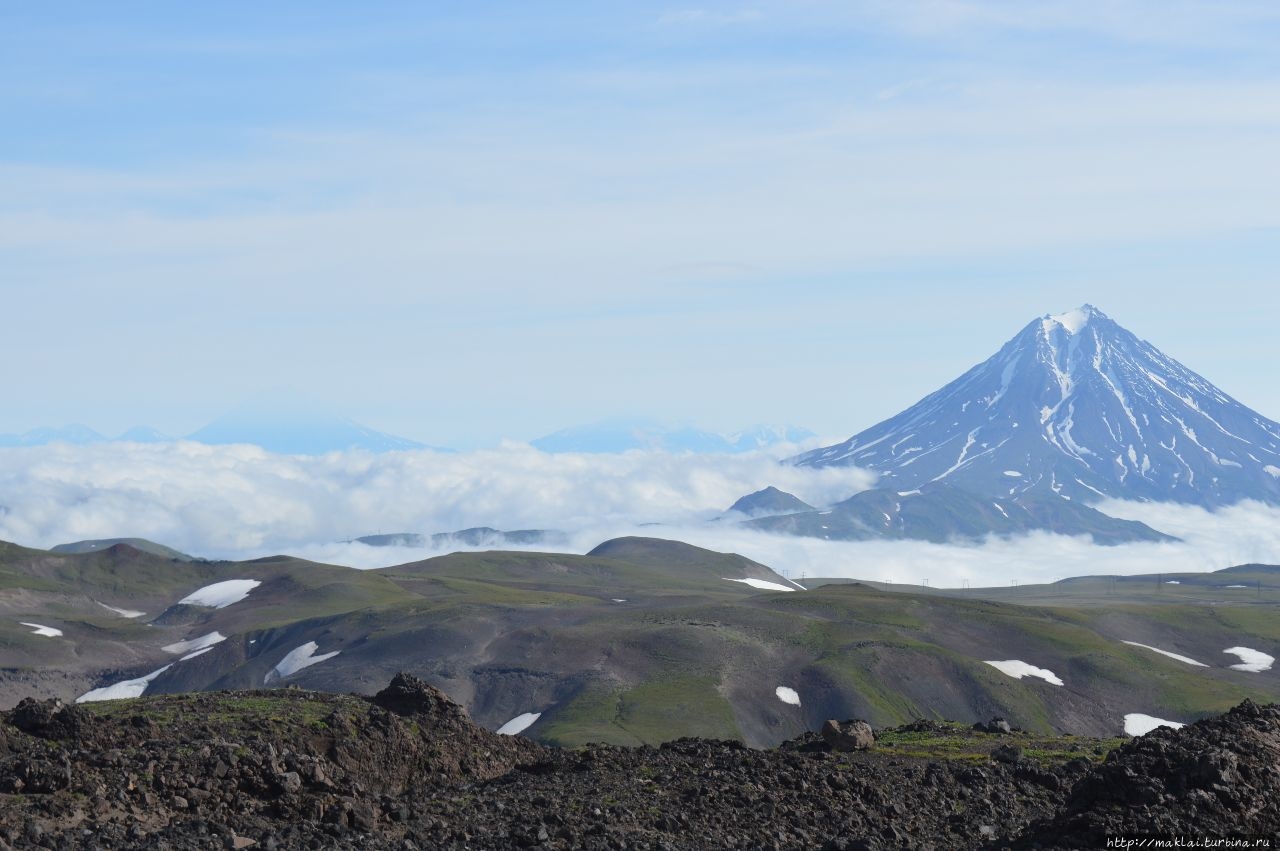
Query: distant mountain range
pixel 477 536
pixel 297 429
pixel 623 435
pixel 285 424
pixel 301 427
pixel 1072 410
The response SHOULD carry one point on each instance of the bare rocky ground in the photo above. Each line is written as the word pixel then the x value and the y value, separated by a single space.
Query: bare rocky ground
pixel 407 769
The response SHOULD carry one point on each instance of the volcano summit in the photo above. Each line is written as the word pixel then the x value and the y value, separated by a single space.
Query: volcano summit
pixel 1077 406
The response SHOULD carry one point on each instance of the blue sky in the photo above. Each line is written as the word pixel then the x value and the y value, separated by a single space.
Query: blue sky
pixel 467 221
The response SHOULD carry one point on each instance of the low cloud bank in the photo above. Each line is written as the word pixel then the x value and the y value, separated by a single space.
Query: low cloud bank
pixel 241 502
pixel 230 500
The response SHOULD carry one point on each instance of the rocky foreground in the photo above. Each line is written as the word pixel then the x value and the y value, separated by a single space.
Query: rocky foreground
pixel 407 769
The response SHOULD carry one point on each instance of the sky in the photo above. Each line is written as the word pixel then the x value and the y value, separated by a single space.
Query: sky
pixel 469 222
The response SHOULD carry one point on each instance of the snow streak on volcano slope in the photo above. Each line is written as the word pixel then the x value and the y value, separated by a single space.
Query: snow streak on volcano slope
pixel 1076 405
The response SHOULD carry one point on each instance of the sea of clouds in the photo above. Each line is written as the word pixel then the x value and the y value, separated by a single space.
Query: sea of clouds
pixel 244 502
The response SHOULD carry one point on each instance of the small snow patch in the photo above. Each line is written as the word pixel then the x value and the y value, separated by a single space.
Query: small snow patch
pixel 1253 661
pixel 199 652
pixel 762 584
pixel 787 695
pixel 617 600
pixel 124 613
pixel 40 629
pixel 1137 724
pixel 120 691
pixel 297 659
pixel 1235 586
pixel 519 724
pixel 1167 653
pixel 204 642
pixel 1019 669
pixel 219 595
pixel 1173 582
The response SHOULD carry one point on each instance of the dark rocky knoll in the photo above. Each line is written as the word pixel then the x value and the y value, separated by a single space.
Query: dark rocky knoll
pixel 408 769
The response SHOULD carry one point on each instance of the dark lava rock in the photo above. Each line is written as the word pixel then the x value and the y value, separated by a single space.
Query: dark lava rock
pixel 1218 777
pixel 49 719
pixel 1010 754
pixel 849 736
pixel 407 769
pixel 995 726
pixel 408 695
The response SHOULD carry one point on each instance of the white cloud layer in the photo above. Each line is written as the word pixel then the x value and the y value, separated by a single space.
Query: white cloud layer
pixel 240 502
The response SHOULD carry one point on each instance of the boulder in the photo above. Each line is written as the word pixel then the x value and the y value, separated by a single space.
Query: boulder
pixel 848 736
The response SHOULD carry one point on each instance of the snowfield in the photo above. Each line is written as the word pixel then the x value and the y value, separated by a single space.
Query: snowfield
pixel 1186 659
pixel 1137 724
pixel 120 691
pixel 40 629
pixel 519 724
pixel 762 584
pixel 219 595
pixel 204 642
pixel 787 695
pixel 124 613
pixel 297 659
pixel 1018 669
pixel 1254 661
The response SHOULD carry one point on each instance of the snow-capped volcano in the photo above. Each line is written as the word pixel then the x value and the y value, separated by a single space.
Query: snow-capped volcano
pixel 1076 405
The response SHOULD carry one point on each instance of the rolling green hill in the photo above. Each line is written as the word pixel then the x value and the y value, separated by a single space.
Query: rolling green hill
pixel 643 640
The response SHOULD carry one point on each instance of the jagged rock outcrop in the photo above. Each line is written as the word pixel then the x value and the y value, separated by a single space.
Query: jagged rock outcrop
pixel 407 769
pixel 1218 777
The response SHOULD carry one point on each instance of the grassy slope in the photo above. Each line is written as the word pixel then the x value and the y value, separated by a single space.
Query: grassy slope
pixel 688 654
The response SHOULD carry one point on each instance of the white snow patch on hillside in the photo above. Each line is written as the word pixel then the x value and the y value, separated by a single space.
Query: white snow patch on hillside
pixel 297 659
pixel 1137 724
pixel 122 690
pixel 519 724
pixel 1189 661
pixel 787 695
pixel 204 642
pixel 1173 582
pixel 199 652
pixel 1235 586
pixel 219 595
pixel 1019 669
pixel 1254 661
pixel 762 584
pixel 124 613
pixel 40 629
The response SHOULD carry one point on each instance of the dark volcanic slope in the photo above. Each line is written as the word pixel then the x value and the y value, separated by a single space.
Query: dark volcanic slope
pixel 408 770
pixel 939 512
